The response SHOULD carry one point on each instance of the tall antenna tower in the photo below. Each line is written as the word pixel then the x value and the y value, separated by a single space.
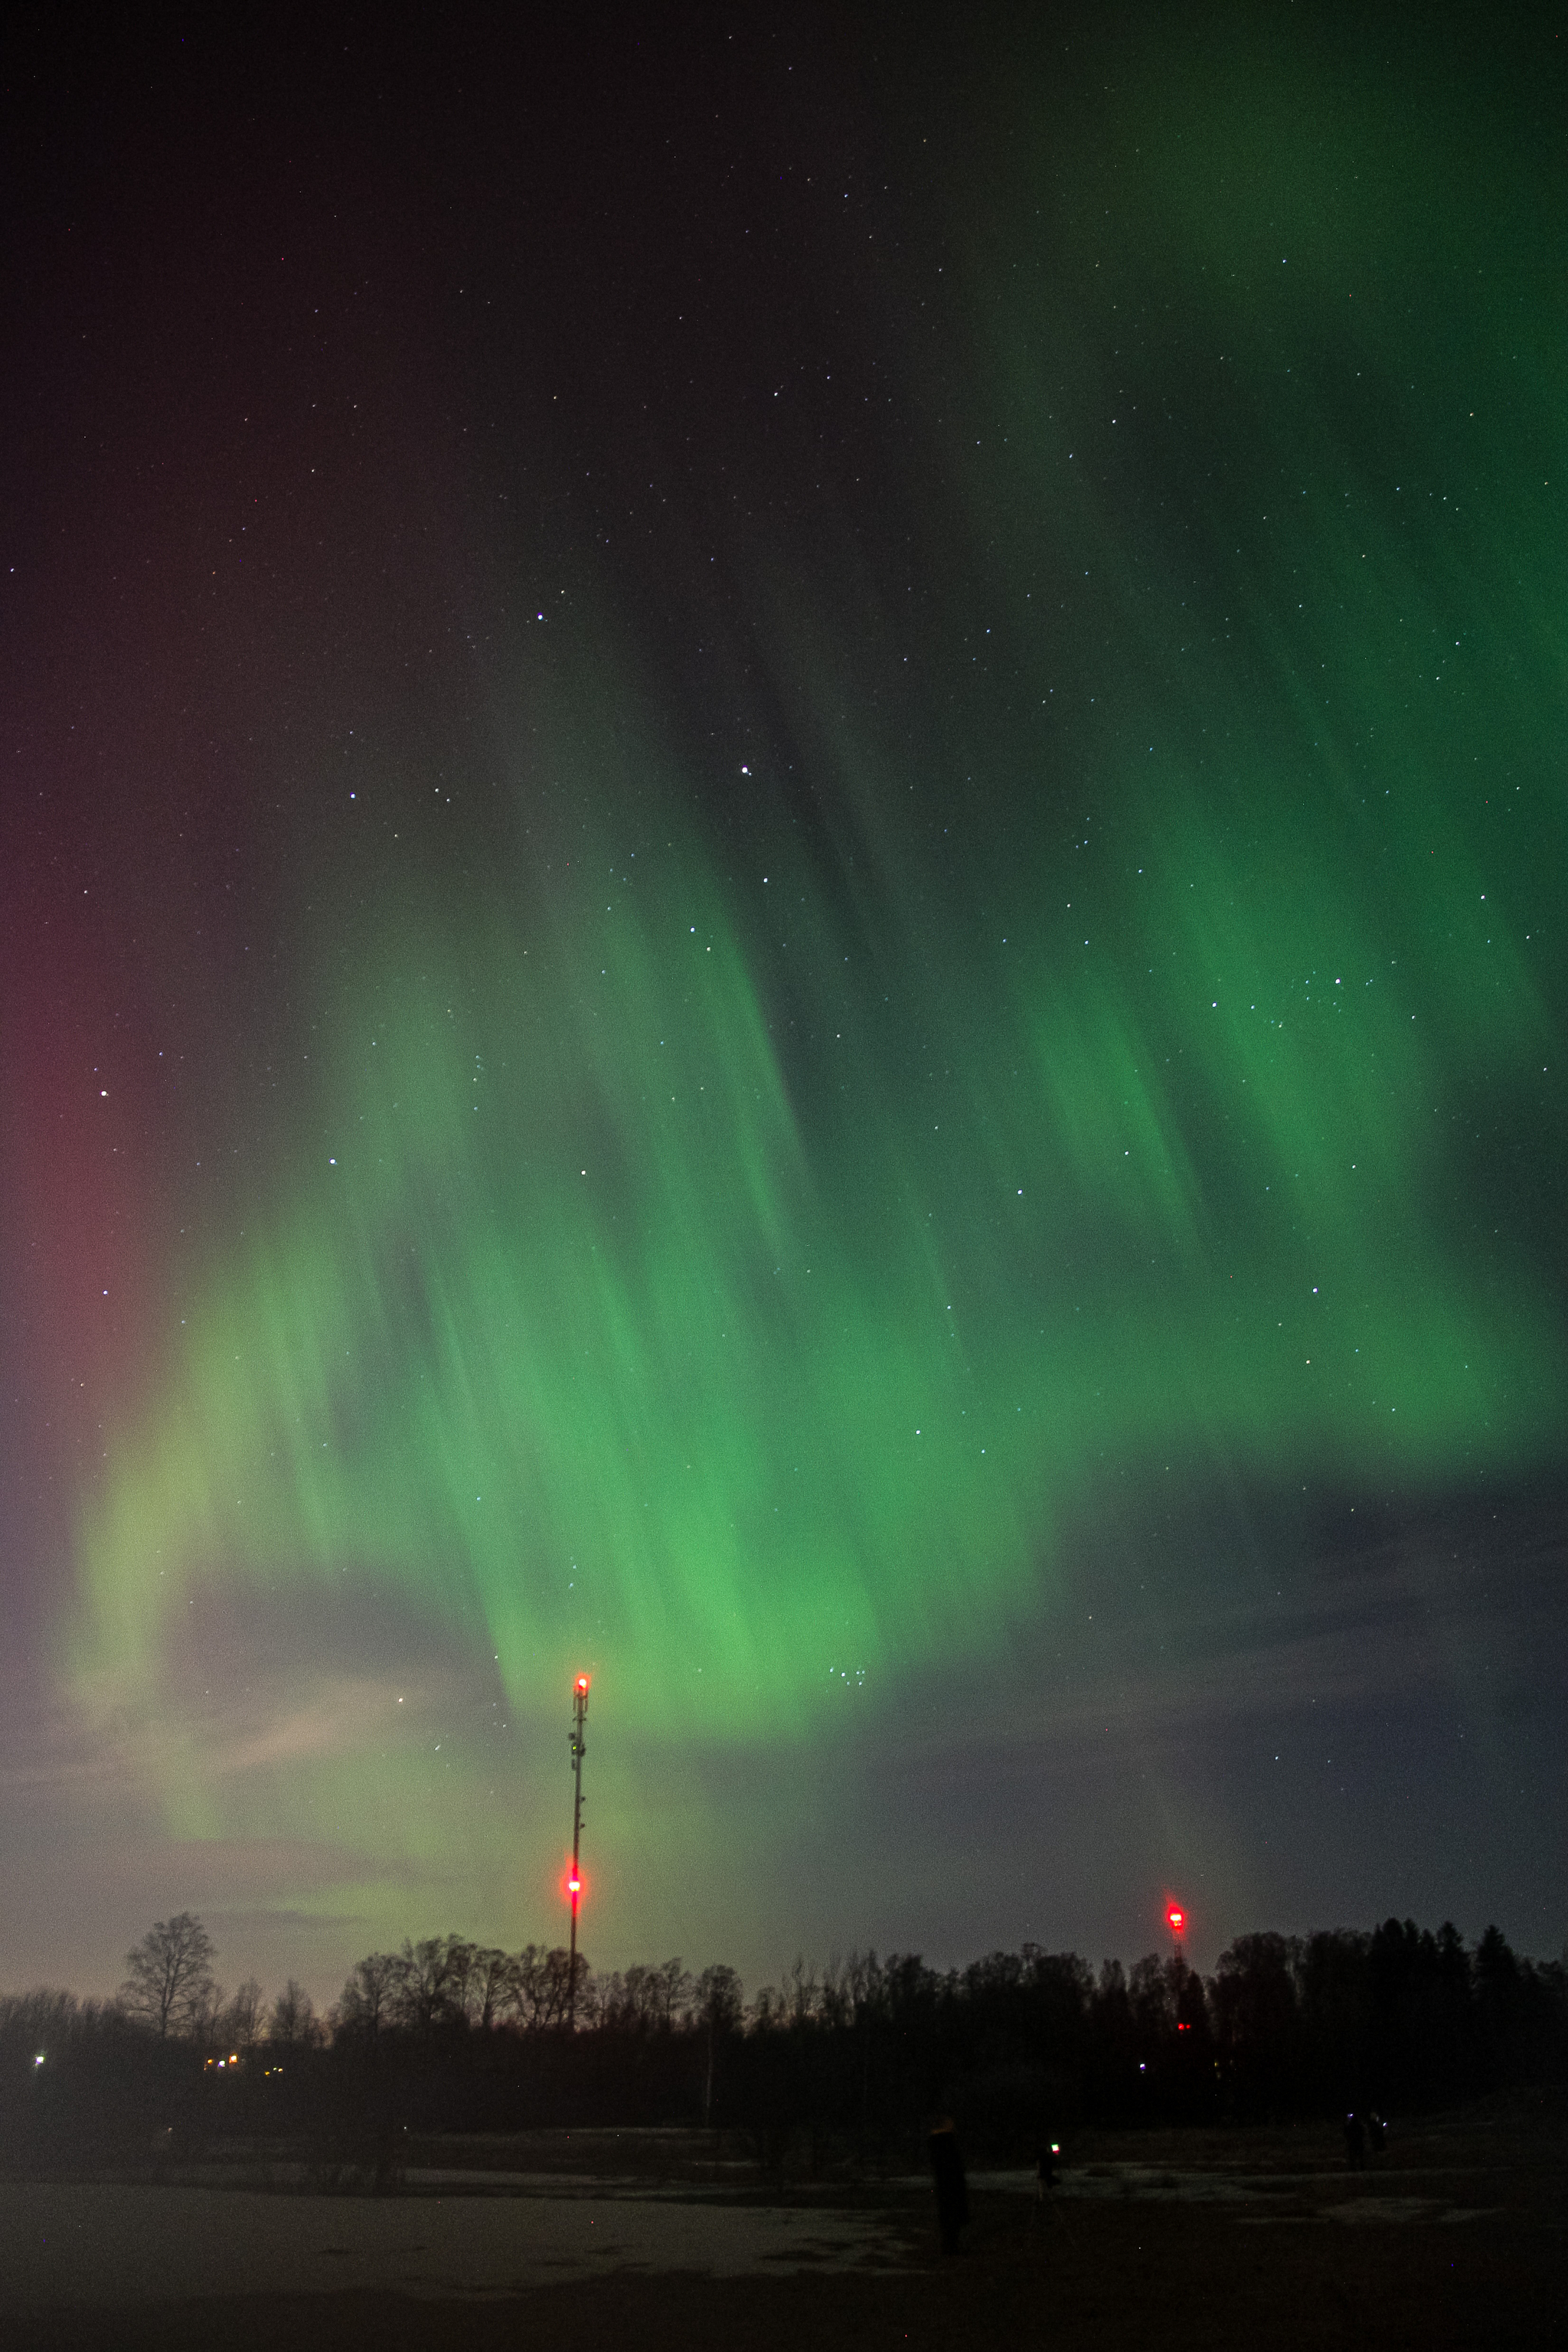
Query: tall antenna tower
pixel 574 1883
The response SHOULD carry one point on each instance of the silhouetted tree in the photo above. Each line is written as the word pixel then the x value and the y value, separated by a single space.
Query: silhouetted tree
pixel 170 1977
pixel 293 2018
pixel 1255 2019
pixel 643 1999
pixel 718 2010
pixel 1151 1997
pixel 423 1991
pixel 460 1983
pixel 489 1986
pixel 365 2005
pixel 241 2021
pixel 536 1985
pixel 1500 1999
pixel 717 2001
pixel 207 2023
pixel 1334 2012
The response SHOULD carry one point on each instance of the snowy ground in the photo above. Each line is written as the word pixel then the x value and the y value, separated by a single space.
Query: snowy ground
pixel 118 2245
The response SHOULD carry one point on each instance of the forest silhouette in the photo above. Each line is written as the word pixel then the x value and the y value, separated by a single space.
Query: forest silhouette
pixel 836 2064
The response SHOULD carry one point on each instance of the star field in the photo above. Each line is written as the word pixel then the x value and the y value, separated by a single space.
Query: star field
pixel 782 896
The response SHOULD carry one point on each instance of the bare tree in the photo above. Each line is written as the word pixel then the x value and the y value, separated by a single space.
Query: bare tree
pixel 206 2022
pixel 169 1982
pixel 539 1985
pixel 645 1999
pixel 524 1992
pixel 365 2005
pixel 718 2007
pixel 718 2000
pixel 569 1986
pixel 242 2019
pixel 490 1984
pixel 461 1985
pixel 293 2018
pixel 423 1993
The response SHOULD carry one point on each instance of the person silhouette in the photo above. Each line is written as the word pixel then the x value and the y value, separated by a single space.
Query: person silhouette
pixel 1045 2163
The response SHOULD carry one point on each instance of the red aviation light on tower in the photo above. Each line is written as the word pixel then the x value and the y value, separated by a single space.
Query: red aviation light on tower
pixel 1175 1919
pixel 574 1868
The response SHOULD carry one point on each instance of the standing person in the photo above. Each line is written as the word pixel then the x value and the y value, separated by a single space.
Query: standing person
pixel 951 2188
pixel 1046 2177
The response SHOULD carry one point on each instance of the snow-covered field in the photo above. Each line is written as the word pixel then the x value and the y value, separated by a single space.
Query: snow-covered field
pixel 104 2244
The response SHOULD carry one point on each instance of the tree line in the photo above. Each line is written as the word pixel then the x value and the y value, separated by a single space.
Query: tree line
pixel 843 2060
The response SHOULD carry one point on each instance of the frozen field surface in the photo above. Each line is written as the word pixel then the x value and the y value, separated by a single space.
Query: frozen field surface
pixel 87 2243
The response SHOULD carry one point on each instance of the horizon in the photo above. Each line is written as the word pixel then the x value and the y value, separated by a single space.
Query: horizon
pixel 817 1968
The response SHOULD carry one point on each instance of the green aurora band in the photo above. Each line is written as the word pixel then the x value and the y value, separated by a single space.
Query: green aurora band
pixel 737 1283
pixel 581 1319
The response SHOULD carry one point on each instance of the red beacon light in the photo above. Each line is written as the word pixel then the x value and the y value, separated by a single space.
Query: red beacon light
pixel 1175 1918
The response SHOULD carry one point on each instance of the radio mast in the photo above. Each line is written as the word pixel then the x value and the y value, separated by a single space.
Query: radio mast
pixel 574 1883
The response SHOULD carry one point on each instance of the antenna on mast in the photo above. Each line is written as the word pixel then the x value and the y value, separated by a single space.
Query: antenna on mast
pixel 575 1883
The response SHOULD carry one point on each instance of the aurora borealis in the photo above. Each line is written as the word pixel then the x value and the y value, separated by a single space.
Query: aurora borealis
pixel 782 893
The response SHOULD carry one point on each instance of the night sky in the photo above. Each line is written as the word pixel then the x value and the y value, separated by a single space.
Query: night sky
pixel 782 866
